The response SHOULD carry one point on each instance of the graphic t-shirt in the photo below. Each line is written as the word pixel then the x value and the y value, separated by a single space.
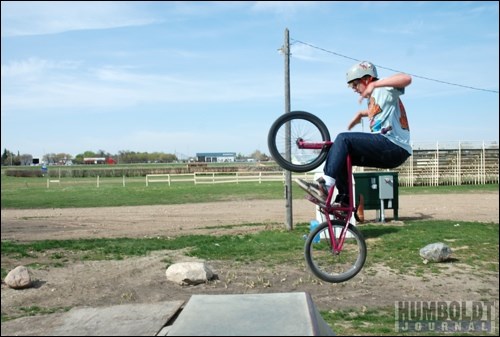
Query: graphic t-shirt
pixel 388 116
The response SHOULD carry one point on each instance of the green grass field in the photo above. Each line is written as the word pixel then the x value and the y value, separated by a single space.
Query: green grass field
pixel 84 192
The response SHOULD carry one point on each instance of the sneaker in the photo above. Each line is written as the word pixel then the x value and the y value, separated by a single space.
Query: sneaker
pixel 341 200
pixel 317 188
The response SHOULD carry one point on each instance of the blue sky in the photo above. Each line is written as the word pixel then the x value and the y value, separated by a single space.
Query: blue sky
pixel 188 77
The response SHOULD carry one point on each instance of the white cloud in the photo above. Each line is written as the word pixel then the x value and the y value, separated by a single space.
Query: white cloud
pixel 33 68
pixel 54 85
pixel 50 17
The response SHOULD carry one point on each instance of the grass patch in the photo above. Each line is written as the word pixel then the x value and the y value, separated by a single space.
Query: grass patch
pixel 446 189
pixel 475 244
pixel 135 194
pixel 33 311
pixel 28 193
pixel 472 243
pixel 275 246
pixel 362 321
pixel 376 322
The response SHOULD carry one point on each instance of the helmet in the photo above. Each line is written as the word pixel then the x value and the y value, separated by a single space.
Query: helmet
pixel 361 69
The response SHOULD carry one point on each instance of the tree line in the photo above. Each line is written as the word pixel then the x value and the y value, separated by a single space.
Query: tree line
pixel 123 157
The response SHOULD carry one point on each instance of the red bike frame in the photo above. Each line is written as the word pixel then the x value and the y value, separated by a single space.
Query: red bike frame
pixel 339 212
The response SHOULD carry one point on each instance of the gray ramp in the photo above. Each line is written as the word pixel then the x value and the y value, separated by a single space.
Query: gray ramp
pixel 116 320
pixel 277 314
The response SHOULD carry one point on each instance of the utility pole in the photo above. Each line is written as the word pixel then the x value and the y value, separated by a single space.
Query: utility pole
pixel 288 174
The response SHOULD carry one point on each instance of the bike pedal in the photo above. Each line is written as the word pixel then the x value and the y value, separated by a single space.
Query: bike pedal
pixel 315 201
pixel 312 199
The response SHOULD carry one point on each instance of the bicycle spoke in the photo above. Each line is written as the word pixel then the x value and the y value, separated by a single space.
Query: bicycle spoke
pixel 303 126
pixel 299 129
pixel 333 266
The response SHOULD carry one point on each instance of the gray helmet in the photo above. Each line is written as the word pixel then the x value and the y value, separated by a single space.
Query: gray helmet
pixel 361 69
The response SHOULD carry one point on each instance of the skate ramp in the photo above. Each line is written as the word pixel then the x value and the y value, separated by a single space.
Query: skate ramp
pixel 275 314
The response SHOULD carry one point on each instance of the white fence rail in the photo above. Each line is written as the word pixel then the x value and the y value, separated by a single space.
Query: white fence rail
pixel 169 178
pixel 223 177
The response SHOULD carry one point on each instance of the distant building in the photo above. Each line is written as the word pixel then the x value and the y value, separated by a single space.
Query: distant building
pixel 94 160
pixel 98 160
pixel 216 157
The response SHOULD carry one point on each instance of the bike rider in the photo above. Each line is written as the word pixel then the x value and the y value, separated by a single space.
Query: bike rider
pixel 386 146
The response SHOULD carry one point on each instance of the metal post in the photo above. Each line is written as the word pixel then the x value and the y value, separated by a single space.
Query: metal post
pixel 288 174
pixel 382 215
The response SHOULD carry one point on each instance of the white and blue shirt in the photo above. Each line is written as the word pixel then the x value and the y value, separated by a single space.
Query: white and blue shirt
pixel 387 116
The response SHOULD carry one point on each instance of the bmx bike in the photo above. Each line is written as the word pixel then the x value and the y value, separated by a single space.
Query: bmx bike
pixel 335 250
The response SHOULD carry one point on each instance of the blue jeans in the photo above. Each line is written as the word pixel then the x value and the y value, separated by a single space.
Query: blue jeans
pixel 366 149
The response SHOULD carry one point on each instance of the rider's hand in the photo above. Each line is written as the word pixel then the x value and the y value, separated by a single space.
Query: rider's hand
pixel 367 92
pixel 355 121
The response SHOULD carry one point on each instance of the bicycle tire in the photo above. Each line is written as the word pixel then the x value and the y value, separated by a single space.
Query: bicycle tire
pixel 330 267
pixel 303 125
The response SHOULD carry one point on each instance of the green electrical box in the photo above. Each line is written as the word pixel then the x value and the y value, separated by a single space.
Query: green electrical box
pixel 379 190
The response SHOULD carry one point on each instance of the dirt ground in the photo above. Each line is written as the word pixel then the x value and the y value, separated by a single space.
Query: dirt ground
pixel 143 280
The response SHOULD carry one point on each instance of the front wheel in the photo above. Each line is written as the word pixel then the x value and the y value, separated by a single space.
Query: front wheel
pixel 335 267
pixel 301 126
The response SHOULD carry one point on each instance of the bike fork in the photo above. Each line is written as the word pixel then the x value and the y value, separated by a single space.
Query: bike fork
pixel 336 243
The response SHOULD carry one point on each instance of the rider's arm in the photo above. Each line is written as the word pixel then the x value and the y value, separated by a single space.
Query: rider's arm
pixel 357 118
pixel 396 81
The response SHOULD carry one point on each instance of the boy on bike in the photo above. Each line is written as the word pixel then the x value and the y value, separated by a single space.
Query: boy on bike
pixel 386 146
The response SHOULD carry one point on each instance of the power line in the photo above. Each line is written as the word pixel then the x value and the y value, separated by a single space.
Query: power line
pixel 390 69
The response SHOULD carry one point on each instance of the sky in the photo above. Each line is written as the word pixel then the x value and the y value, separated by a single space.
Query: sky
pixel 189 77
